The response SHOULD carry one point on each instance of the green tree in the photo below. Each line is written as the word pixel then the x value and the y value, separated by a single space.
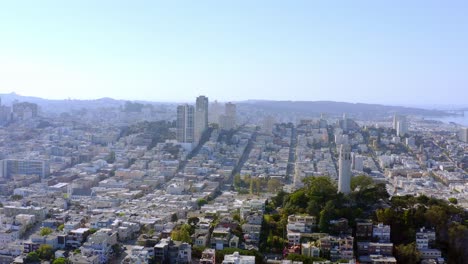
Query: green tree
pixel 273 185
pixel 201 202
pixel 45 231
pixel 61 227
pixel 237 181
pixel 32 257
pixel 361 182
pixel 182 234
pixel 45 252
pixel 16 197
pixel 407 253
pixel 174 217
pixel 453 200
pixel 326 215
pixel 61 261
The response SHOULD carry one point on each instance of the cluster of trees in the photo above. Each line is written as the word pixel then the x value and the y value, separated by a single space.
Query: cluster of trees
pixel 255 185
pixel 408 213
pixel 404 214
pixel 45 252
pixel 319 198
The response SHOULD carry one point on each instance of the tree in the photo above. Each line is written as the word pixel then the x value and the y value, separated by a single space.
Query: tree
pixel 16 197
pixel 174 217
pixel 61 227
pixel 32 257
pixel 326 215
pixel 407 253
pixel 361 182
pixel 453 200
pixel 273 185
pixel 45 231
pixel 201 202
pixel 193 220
pixel 182 234
pixel 61 261
pixel 45 252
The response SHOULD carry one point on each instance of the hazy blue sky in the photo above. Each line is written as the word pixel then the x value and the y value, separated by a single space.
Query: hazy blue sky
pixel 405 52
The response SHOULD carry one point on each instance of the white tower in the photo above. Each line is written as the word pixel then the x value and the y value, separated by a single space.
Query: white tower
pixel 344 175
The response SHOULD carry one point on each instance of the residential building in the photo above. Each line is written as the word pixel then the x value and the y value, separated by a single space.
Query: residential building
pixel 185 123
pixel 201 117
pixel 208 256
pixel 301 223
pixel 101 244
pixel 236 258
pixel 11 167
pixel 381 232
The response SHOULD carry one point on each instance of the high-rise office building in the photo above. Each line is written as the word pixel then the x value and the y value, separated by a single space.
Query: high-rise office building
pixel 12 167
pixel 344 170
pixel 228 120
pixel 400 124
pixel 185 123
pixel 463 134
pixel 201 117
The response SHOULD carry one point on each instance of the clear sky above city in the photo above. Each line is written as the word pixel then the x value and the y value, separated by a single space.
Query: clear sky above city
pixel 394 52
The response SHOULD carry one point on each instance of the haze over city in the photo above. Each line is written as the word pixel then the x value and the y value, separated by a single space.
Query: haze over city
pixel 390 52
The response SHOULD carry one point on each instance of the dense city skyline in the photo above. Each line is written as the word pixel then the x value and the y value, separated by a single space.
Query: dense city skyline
pixel 390 53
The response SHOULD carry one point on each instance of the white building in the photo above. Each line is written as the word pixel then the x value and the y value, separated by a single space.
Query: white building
pixel 236 258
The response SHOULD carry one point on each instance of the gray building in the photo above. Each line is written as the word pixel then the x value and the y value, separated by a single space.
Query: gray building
pixel 11 167
pixel 201 117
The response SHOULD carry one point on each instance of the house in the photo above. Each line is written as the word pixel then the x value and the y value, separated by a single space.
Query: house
pixel 301 223
pixel 223 238
pixel 381 232
pixel 236 258
pixel 80 259
pixel 76 237
pixel 169 251
pixel 310 250
pixel 101 244
pixel 208 256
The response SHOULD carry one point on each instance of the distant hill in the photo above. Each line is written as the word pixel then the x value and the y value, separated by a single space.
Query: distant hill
pixel 64 105
pixel 306 107
pixel 336 108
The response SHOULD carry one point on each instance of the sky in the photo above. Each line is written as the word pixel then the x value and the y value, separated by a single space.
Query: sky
pixel 390 52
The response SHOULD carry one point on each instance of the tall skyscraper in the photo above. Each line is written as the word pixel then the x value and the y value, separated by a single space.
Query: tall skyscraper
pixel 228 120
pixel 215 111
pixel 463 134
pixel 201 117
pixel 400 124
pixel 344 170
pixel 185 123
